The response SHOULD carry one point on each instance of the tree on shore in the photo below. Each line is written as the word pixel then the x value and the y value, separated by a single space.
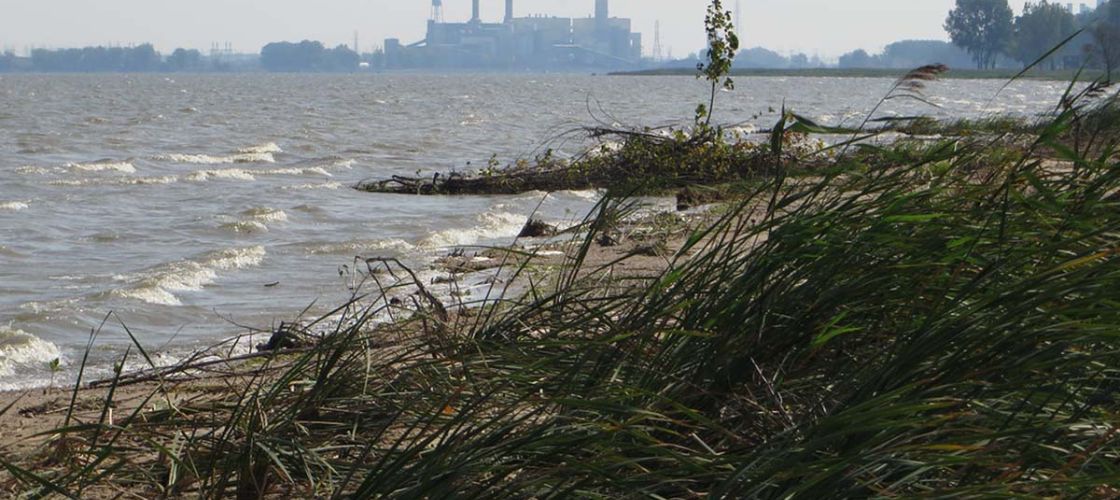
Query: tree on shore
pixel 982 27
pixel 184 60
pixel 1106 37
pixel 96 59
pixel 723 43
pixel 308 56
pixel 1042 27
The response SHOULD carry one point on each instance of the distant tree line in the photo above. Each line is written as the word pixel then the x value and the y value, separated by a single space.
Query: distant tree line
pixel 308 56
pixel 759 57
pixel 908 54
pixel 139 59
pixel 989 30
pixel 125 59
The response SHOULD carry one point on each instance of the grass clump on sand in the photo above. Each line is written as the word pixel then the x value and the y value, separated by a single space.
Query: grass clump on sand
pixel 940 323
pixel 927 318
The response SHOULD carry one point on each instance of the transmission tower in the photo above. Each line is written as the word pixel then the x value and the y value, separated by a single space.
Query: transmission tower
pixel 657 41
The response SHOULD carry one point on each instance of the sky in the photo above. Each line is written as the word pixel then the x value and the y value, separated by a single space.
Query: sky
pixel 827 28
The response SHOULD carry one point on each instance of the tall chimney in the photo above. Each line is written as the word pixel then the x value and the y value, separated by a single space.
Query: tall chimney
pixel 602 12
pixel 476 16
pixel 509 11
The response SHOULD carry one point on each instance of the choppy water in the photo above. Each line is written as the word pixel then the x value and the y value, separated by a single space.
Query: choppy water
pixel 173 201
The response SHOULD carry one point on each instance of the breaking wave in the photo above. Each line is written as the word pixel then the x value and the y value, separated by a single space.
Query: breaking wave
pixel 241 174
pixel 157 285
pixel 103 166
pixel 228 173
pixel 13 206
pixel 200 159
pixel 357 247
pixel 323 185
pixel 245 227
pixel 265 148
pixel 265 214
pixel 32 170
pixel 123 181
pixel 491 225
pixel 20 351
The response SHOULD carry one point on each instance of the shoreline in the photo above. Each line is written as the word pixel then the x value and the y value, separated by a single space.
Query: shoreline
pixel 862 326
pixel 957 74
pixel 40 410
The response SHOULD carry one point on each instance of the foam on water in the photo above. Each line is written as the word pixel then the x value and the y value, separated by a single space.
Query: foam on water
pixel 241 174
pixel 299 171
pixel 743 130
pixel 13 206
pixel 120 181
pixel 155 286
pixel 323 185
pixel 143 181
pixel 265 214
pixel 202 159
pixel 356 247
pixel 266 148
pixel 104 166
pixel 33 170
pixel 491 225
pixel 589 194
pixel 224 174
pixel 21 352
pixel 245 227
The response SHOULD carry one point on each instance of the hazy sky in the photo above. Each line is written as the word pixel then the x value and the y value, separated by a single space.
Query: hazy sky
pixel 825 27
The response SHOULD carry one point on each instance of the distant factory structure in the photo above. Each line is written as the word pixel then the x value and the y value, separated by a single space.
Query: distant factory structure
pixel 537 42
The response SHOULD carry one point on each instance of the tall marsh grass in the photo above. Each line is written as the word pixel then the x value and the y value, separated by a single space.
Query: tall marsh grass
pixel 942 321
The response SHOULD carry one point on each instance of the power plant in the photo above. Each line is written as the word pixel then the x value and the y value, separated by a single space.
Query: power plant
pixel 536 42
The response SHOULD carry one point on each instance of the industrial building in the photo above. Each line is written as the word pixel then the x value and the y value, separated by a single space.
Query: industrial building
pixel 537 42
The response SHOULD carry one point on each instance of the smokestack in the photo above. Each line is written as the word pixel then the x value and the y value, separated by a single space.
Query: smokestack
pixel 509 11
pixel 475 17
pixel 602 12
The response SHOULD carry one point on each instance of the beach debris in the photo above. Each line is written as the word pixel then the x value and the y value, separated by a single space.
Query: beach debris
pixel 537 228
pixel 288 336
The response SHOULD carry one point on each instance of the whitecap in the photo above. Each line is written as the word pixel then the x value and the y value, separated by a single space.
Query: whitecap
pixel 491 225
pixel 225 174
pixel 266 148
pixel 13 206
pixel 356 247
pixel 587 194
pixel 265 214
pixel 297 171
pixel 245 227
pixel 102 166
pixel 123 181
pixel 742 130
pixel 202 159
pixel 32 170
pixel 156 286
pixel 20 350
pixel 142 181
pixel 324 185
pixel 84 182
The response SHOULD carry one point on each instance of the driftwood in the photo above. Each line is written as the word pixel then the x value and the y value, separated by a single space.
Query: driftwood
pixel 504 182
pixel 644 159
pixel 197 362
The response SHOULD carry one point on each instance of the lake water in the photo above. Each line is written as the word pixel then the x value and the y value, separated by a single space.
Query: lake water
pixel 173 201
